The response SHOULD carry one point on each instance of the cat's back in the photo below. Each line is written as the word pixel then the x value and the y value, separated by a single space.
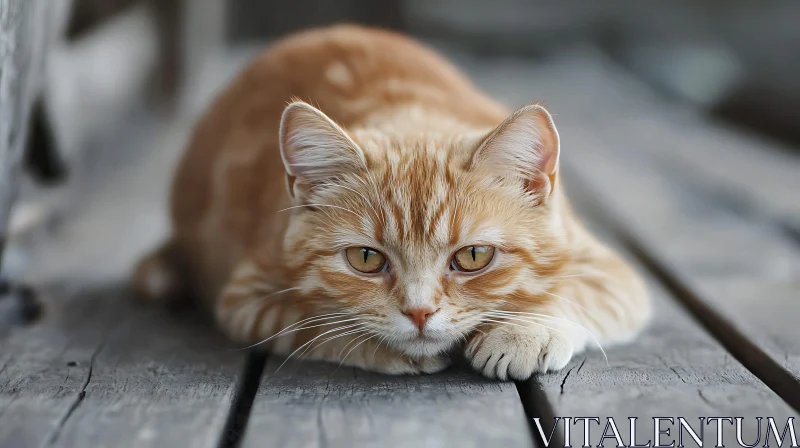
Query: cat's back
pixel 230 182
pixel 351 71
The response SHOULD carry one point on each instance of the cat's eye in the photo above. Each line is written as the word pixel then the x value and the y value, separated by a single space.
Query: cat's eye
pixel 365 259
pixel 473 258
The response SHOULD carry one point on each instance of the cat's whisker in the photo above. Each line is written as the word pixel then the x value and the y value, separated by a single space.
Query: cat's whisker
pixel 351 341
pixel 310 349
pixel 513 324
pixel 280 292
pixel 354 347
pixel 538 315
pixel 540 324
pixel 314 340
pixel 565 320
pixel 569 301
pixel 362 333
pixel 567 276
pixel 377 346
pixel 588 314
pixel 286 330
pixel 528 319
pixel 369 203
pixel 322 325
pixel 533 319
pixel 319 205
pixel 318 318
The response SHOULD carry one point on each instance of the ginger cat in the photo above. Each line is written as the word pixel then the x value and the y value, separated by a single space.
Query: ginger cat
pixel 390 213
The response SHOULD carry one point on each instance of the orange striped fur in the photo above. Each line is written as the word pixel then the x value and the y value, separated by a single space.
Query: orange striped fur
pixel 384 145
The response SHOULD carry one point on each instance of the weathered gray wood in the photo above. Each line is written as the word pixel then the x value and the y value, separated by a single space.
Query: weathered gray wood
pixel 99 371
pixel 317 405
pixel 141 376
pixel 758 174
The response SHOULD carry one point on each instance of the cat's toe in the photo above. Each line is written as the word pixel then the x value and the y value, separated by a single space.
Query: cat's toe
pixel 518 353
pixel 556 354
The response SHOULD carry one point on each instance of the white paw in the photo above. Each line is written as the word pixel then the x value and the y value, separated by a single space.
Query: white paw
pixel 514 352
pixel 402 365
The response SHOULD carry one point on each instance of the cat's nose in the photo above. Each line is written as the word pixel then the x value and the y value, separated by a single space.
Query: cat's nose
pixel 419 316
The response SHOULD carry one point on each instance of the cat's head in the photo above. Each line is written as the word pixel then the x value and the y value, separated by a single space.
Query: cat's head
pixel 423 239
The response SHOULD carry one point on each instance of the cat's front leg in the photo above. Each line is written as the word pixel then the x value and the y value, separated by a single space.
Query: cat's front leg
pixel 599 301
pixel 516 348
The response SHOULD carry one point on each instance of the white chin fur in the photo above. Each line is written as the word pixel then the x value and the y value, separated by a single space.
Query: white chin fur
pixel 418 348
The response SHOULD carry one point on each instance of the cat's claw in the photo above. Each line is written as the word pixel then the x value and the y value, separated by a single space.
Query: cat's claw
pixel 516 353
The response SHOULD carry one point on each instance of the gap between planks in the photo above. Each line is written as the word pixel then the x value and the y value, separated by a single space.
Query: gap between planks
pixel 246 389
pixel 531 394
pixel 750 355
pixel 537 406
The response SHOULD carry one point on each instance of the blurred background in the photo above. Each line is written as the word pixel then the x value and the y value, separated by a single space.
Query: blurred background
pixel 734 59
pixel 121 82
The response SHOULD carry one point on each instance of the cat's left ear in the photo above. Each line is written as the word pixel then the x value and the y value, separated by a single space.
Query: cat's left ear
pixel 315 149
pixel 526 145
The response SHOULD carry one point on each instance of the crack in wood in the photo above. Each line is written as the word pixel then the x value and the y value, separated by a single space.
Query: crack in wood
pixel 577 371
pixel 53 438
pixel 564 380
pixel 706 400
pixel 581 366
pixel 667 365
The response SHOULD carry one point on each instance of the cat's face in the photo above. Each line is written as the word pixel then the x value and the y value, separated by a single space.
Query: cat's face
pixel 421 244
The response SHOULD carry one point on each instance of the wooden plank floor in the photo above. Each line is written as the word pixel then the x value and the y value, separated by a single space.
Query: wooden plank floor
pixel 706 213
pixel 321 405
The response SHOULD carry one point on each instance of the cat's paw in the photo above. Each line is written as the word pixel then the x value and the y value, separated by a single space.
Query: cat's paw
pixel 515 353
pixel 403 365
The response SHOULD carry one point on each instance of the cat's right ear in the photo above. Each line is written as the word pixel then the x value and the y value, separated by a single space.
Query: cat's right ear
pixel 526 145
pixel 315 149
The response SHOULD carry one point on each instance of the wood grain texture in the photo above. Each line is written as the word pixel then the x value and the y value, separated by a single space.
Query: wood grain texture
pixel 99 370
pixel 308 404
